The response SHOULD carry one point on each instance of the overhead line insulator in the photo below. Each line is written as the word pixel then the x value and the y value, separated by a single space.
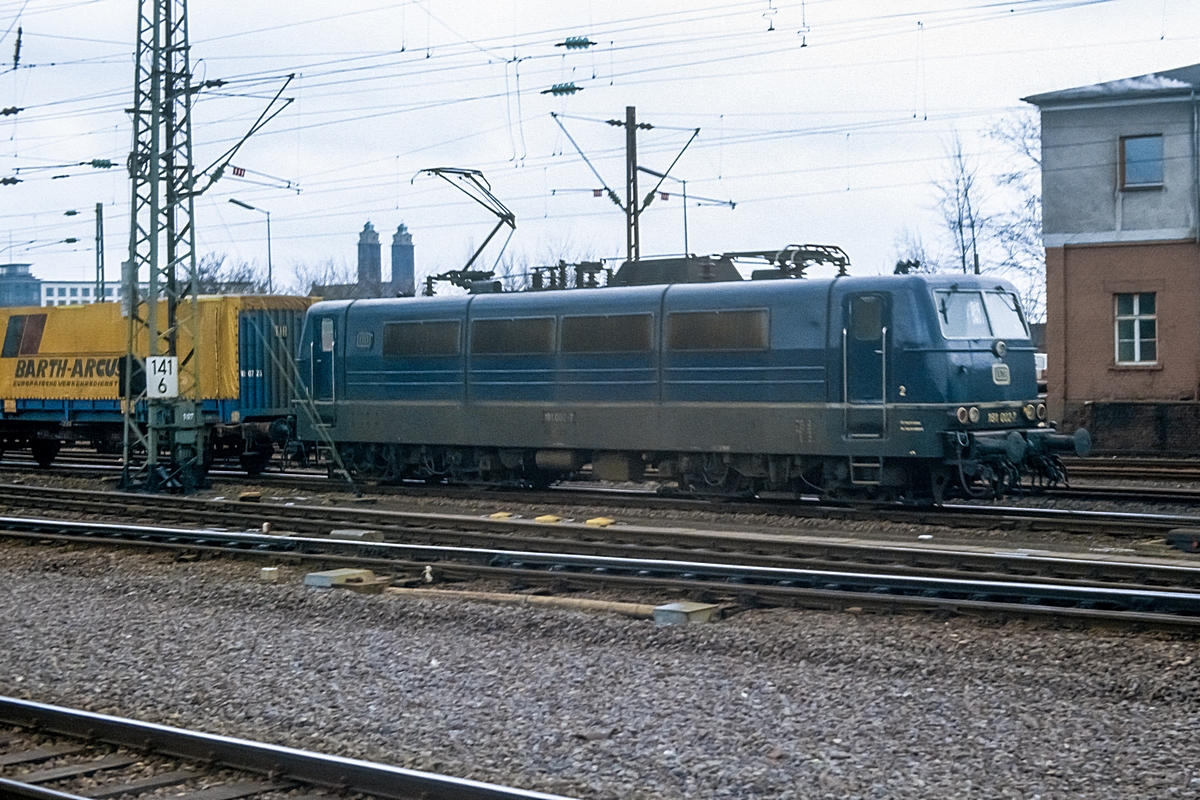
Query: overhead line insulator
pixel 9 181
pixel 576 43
pixel 562 89
pixel 8 112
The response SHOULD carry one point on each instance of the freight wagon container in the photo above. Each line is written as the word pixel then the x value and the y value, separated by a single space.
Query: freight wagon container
pixel 60 371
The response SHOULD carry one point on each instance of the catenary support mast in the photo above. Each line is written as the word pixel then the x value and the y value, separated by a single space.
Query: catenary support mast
pixel 161 395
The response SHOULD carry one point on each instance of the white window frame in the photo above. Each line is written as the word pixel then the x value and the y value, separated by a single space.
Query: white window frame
pixel 1137 317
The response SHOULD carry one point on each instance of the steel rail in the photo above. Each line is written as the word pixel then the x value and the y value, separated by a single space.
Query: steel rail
pixel 30 791
pixel 332 772
pixel 763 549
pixel 1069 520
pixel 1179 605
pixel 772 505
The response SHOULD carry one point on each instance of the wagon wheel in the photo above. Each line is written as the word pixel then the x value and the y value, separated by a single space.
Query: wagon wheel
pixel 45 451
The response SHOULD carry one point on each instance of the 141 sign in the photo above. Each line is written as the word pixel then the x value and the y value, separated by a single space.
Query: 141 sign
pixel 162 376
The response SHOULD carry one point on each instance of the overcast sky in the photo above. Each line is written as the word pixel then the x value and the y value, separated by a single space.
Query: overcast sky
pixel 824 121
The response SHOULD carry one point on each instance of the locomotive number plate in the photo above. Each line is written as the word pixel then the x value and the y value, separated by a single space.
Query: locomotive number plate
pixel 1001 417
pixel 1000 375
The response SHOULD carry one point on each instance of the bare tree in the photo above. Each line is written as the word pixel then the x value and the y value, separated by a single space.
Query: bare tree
pixel 513 272
pixel 959 201
pixel 1018 229
pixel 912 255
pixel 323 273
pixel 218 277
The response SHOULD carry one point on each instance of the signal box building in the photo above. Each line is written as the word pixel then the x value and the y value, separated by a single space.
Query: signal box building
pixel 1121 227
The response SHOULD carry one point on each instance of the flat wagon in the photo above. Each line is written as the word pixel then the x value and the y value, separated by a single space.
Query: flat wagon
pixel 61 368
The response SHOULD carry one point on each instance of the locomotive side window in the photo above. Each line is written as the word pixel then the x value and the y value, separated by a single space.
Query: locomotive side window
pixel 866 318
pixel 506 336
pixel 621 333
pixel 403 339
pixel 718 330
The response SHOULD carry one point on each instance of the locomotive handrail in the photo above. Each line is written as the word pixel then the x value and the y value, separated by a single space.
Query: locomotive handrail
pixel 845 383
pixel 883 363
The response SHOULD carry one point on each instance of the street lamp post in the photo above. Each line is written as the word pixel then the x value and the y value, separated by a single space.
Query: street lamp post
pixel 237 202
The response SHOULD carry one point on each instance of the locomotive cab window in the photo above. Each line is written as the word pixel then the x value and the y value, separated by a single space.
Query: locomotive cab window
pixel 980 315
pixel 512 336
pixel 618 333
pixel 406 339
pixel 718 330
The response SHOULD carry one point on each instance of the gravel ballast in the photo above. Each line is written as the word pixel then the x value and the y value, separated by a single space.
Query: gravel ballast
pixel 765 704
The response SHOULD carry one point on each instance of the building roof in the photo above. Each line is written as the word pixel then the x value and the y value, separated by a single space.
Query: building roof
pixel 1179 82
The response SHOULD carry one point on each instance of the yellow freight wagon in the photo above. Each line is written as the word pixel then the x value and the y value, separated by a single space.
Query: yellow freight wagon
pixel 60 369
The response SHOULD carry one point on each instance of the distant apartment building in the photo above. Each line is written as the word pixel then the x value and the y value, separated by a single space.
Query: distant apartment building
pixel 74 293
pixel 17 286
pixel 1121 227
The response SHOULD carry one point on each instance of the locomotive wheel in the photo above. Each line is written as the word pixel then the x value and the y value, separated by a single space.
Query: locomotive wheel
pixel 45 451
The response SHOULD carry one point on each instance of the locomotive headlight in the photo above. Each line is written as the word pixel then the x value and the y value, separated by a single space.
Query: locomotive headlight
pixel 962 415
pixel 1041 411
pixel 1030 411
pixel 973 414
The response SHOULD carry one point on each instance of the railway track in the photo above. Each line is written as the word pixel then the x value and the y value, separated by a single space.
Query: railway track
pixel 1137 469
pixel 746 568
pixel 92 465
pixel 99 756
pixel 300 517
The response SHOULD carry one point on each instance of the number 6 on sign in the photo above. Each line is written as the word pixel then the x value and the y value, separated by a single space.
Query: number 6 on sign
pixel 162 376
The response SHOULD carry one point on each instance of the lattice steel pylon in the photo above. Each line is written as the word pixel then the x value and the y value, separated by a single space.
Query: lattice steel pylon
pixel 163 321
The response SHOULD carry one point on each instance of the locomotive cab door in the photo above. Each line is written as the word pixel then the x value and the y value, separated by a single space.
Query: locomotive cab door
pixel 865 365
pixel 323 366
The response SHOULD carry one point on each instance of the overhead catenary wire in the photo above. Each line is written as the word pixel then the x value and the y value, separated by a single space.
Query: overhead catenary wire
pixel 749 137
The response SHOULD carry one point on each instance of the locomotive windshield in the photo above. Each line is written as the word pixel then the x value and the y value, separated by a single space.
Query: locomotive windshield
pixel 980 315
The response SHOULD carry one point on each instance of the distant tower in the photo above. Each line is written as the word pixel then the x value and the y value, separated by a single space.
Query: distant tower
pixel 369 258
pixel 403 265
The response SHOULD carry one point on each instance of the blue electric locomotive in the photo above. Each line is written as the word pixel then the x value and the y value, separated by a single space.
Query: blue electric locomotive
pixel 918 386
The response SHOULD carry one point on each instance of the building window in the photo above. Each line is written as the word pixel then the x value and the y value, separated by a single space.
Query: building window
pixel 108 291
pixel 1137 329
pixel 62 292
pixel 87 292
pixel 1142 162
pixel 49 293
